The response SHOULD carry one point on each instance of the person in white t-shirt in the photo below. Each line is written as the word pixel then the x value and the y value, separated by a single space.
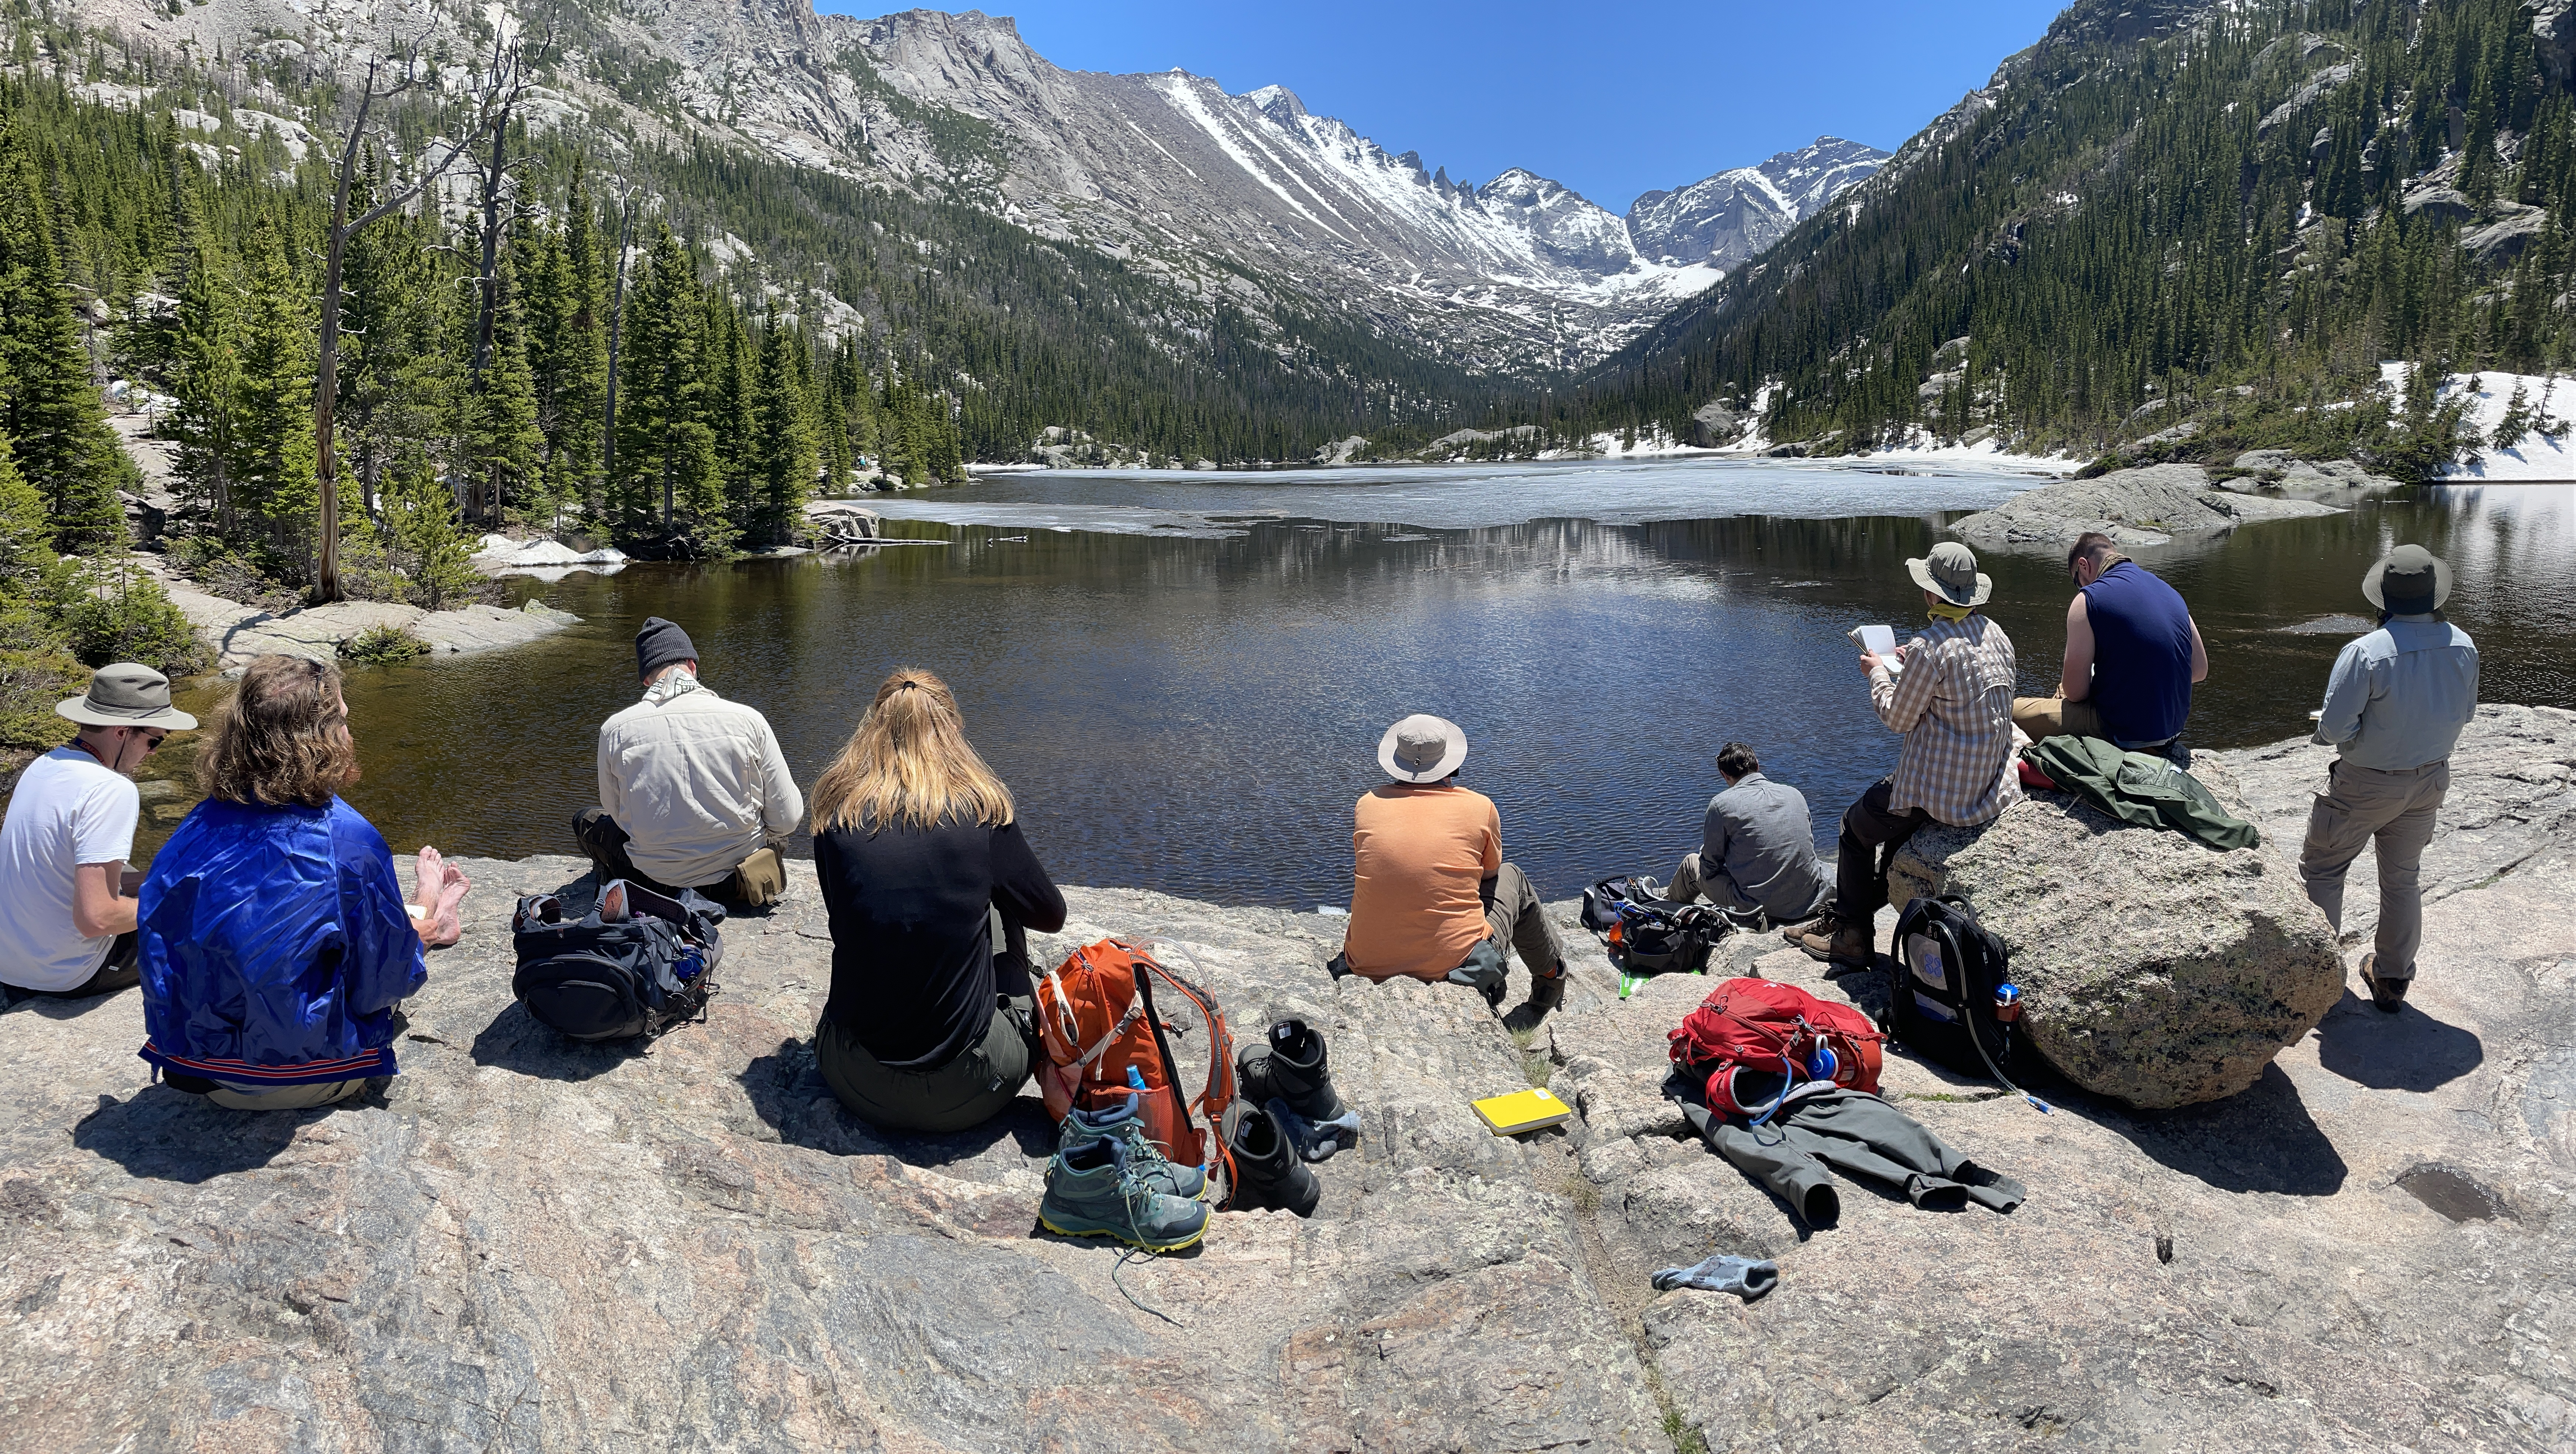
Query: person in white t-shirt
pixel 66 896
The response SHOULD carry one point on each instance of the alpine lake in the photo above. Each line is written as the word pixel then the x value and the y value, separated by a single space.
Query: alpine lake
pixel 1184 677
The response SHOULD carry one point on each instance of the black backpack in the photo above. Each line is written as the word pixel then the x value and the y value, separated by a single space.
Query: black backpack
pixel 596 980
pixel 1649 934
pixel 1947 969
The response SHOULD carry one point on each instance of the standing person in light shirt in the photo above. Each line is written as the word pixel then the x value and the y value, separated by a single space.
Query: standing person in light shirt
pixel 2394 709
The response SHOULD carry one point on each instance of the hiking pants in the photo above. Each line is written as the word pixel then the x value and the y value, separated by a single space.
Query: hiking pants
pixel 1513 917
pixel 1871 835
pixel 2393 811
pixel 966 1092
pixel 1689 884
pixel 286 1097
pixel 604 844
pixel 1860 1135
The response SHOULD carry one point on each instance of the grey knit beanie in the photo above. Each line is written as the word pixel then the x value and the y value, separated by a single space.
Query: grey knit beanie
pixel 659 644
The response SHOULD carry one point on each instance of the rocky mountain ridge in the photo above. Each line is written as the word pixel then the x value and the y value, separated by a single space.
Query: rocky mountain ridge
pixel 1245 201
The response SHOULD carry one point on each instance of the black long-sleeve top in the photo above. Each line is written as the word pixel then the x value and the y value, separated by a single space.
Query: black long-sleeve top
pixel 914 968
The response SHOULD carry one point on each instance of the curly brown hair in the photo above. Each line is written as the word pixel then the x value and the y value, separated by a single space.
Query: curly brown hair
pixel 276 740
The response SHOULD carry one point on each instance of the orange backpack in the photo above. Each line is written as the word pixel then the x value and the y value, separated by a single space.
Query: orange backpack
pixel 1096 1022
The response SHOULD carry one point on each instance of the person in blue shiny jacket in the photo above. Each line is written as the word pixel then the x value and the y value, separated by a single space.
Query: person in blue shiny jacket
pixel 275 941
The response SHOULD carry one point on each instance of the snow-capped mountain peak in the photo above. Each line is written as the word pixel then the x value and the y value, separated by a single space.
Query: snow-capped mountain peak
pixel 1729 218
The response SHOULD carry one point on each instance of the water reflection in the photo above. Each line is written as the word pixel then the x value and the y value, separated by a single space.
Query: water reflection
pixel 1197 714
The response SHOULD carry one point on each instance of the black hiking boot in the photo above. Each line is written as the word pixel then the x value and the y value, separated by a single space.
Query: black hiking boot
pixel 1292 1079
pixel 1296 1069
pixel 1269 1175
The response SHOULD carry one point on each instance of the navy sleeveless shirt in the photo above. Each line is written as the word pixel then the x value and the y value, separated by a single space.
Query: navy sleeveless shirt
pixel 2141 655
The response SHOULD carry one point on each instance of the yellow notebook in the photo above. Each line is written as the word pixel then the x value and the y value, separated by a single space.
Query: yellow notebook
pixel 1522 1111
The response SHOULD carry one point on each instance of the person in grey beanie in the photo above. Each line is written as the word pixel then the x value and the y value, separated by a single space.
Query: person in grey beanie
pixel 693 791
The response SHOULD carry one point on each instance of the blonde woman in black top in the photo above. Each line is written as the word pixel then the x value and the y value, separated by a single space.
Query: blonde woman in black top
pixel 928 1027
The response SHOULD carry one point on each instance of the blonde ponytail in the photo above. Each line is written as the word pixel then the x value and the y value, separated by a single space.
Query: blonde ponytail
pixel 909 762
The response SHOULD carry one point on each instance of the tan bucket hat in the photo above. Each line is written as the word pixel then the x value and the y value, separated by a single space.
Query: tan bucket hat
pixel 1950 572
pixel 126 694
pixel 1422 749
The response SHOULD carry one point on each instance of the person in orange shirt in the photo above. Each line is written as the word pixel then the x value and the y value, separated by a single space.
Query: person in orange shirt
pixel 1431 896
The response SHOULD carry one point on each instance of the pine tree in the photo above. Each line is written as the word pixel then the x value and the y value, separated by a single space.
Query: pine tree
pixel 26 536
pixel 270 468
pixel 425 533
pixel 667 496
pixel 204 374
pixel 399 371
pixel 51 410
pixel 566 296
pixel 503 447
pixel 784 454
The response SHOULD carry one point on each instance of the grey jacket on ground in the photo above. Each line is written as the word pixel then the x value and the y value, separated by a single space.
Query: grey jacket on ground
pixel 1758 842
pixel 1860 1135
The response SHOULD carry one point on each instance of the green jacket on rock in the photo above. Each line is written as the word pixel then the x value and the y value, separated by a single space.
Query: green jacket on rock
pixel 2138 787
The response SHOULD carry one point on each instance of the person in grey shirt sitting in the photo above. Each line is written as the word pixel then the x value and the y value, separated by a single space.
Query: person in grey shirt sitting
pixel 2394 709
pixel 1757 847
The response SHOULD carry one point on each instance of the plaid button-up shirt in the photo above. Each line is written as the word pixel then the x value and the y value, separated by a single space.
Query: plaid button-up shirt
pixel 1953 702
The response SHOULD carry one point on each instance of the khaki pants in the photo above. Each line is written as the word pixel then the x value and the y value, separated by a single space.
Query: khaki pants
pixel 2392 811
pixel 286 1097
pixel 967 1091
pixel 2039 717
pixel 1513 917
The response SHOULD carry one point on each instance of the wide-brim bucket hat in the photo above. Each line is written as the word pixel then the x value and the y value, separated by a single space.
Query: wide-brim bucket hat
pixel 1950 572
pixel 126 694
pixel 2408 581
pixel 1422 749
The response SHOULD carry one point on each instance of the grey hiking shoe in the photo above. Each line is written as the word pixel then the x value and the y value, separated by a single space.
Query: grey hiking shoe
pixel 1120 1121
pixel 1091 1191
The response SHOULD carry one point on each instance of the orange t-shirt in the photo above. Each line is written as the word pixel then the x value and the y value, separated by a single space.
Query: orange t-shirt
pixel 1419 854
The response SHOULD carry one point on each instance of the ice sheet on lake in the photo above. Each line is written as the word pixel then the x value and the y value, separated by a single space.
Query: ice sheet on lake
pixel 1451 497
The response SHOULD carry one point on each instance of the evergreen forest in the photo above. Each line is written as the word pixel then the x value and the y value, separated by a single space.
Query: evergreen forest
pixel 2230 224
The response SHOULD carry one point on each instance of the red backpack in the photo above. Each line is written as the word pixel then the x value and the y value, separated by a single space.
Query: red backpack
pixel 1755 1039
pixel 1096 1022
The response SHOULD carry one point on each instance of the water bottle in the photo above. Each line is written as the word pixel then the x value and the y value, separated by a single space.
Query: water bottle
pixel 692 963
pixel 2007 1003
pixel 1135 1078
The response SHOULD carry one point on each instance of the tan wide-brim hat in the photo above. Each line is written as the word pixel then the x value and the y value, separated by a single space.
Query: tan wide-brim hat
pixel 126 694
pixel 1950 572
pixel 2408 581
pixel 1422 749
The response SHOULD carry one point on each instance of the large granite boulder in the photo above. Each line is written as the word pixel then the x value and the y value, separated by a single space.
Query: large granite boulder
pixel 2154 969
pixel 2147 506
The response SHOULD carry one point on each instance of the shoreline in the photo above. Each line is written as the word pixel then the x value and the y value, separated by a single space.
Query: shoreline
pixel 233 632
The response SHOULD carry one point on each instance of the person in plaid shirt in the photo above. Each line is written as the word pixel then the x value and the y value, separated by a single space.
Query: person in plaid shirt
pixel 1952 697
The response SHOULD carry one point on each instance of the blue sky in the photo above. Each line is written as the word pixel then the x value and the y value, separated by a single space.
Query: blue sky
pixel 1611 99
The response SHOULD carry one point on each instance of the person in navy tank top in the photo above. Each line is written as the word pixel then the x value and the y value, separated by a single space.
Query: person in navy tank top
pixel 2132 656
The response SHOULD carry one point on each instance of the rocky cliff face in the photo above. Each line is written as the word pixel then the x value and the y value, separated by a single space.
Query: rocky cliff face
pixel 522 1244
pixel 1185 182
